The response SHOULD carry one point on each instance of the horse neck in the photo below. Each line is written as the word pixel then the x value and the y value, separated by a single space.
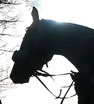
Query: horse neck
pixel 57 40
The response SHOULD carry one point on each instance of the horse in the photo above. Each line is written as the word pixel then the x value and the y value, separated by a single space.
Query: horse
pixel 45 38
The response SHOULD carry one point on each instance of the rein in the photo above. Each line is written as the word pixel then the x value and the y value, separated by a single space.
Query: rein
pixel 46 74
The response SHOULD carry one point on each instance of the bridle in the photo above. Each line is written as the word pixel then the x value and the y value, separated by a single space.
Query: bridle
pixel 43 73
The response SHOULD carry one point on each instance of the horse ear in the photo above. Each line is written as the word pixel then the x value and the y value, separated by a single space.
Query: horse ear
pixel 35 15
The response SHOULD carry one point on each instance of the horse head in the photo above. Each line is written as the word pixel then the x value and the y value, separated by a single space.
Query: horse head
pixel 32 55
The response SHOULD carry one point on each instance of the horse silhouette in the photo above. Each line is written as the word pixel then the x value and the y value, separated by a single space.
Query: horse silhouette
pixel 45 38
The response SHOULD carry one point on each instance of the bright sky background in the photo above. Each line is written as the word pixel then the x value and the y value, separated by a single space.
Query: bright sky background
pixel 75 11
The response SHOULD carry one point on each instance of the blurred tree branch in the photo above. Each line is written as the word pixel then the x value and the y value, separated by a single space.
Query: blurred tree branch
pixel 6 24
pixel 8 2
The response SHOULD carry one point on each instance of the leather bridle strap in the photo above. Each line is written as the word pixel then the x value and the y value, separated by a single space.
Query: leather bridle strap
pixel 57 97
pixel 45 86
pixel 66 92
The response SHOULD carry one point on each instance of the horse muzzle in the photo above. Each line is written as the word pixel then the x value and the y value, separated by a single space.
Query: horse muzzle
pixel 19 80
